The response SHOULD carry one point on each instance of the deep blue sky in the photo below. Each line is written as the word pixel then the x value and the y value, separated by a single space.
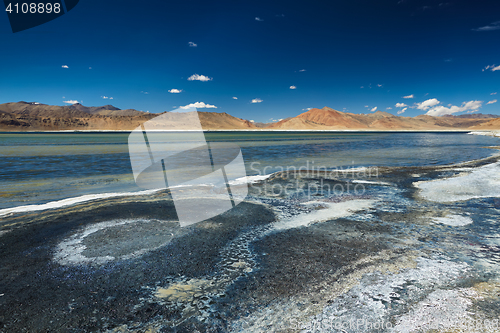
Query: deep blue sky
pixel 139 50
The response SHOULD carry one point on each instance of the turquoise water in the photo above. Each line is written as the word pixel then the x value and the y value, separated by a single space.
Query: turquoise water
pixel 42 167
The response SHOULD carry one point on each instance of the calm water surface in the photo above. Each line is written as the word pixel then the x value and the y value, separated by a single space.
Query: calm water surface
pixel 42 167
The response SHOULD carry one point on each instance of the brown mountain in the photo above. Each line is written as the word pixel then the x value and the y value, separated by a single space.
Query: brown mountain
pixel 23 116
pixel 107 110
pixel 491 124
pixel 328 118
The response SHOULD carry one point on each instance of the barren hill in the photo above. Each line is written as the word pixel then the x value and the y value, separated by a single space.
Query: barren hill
pixel 23 116
pixel 328 118
pixel 491 124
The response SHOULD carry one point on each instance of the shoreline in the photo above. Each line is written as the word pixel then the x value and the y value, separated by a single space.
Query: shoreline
pixel 492 132
pixel 252 179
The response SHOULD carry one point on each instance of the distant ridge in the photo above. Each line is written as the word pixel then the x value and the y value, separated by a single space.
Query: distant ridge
pixel 474 116
pixel 328 118
pixel 26 116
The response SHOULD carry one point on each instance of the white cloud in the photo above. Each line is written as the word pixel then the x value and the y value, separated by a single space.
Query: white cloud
pixel 491 102
pixel 257 100
pixel 293 87
pixel 490 27
pixel 302 70
pixel 196 77
pixel 493 93
pixel 400 105
pixel 71 102
pixel 402 111
pixel 409 96
pixel 144 92
pixel 389 108
pixel 258 19
pixel 191 44
pixel 440 110
pixel 362 87
pixel 252 121
pixel 199 105
pixel 235 97
pixel 64 66
pixel 492 68
pixel 306 109
pixel 106 97
pixel 379 85
pixel 366 106
pixel 374 109
pixel 90 67
pixel 425 105
pixel 175 91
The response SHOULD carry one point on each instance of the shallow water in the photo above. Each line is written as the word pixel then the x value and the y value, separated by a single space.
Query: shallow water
pixel 37 168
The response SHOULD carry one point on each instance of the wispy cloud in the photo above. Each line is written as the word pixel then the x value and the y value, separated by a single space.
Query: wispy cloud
pixel 362 87
pixel 199 105
pixel 191 44
pixel 293 87
pixel 64 66
pixel 235 97
pixel 493 93
pixel 491 102
pixel 71 101
pixel 374 109
pixel 258 19
pixel 400 105
pixel 106 97
pixel 379 85
pixel 144 92
pixel 439 110
pixel 257 100
pixel 492 68
pixel 426 105
pixel 302 70
pixel 402 111
pixel 196 77
pixel 489 27
pixel 409 96
pixel 175 91
pixel 306 109
pixel 389 108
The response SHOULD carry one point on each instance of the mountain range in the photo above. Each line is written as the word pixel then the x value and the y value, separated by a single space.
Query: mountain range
pixel 25 116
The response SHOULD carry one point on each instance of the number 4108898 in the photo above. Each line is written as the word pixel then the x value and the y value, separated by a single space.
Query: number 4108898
pixel 33 8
